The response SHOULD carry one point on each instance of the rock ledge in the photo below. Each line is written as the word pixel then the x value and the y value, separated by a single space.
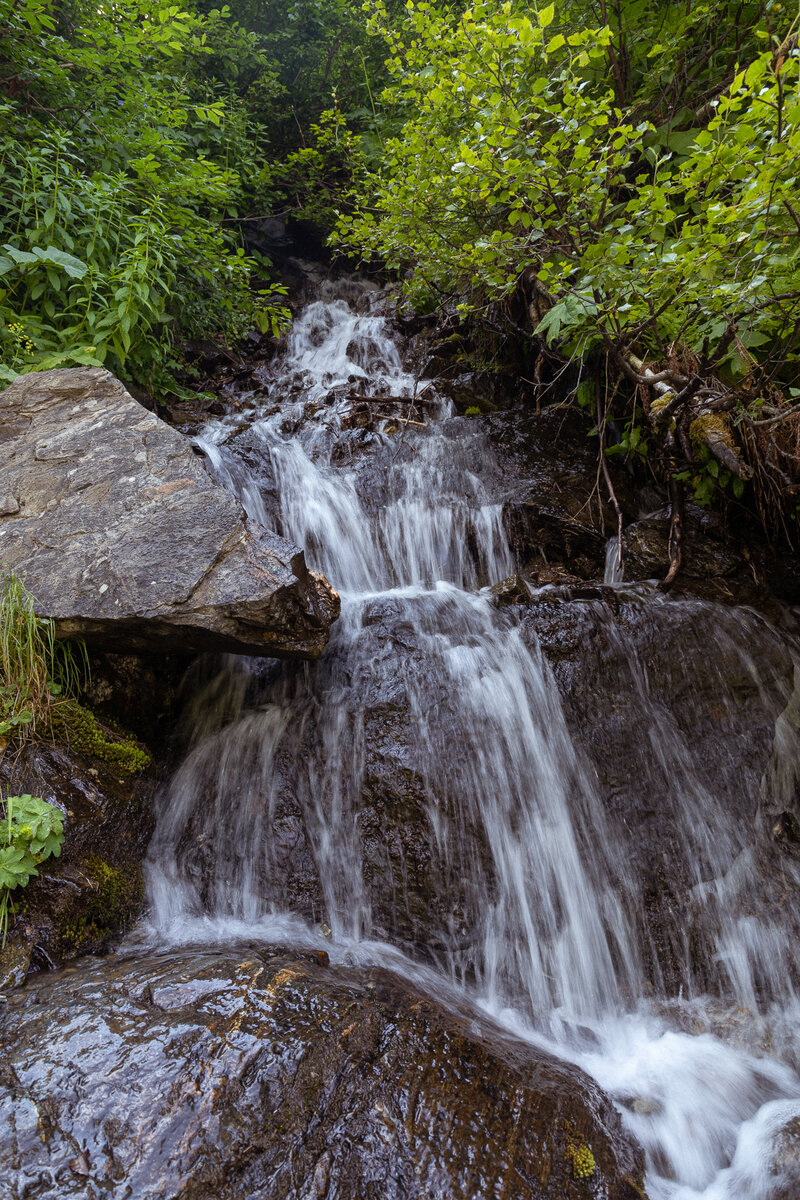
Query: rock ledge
pixel 123 537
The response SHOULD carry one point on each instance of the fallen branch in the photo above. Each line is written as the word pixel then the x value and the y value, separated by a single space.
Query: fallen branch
pixel 675 534
pixel 708 426
pixel 601 430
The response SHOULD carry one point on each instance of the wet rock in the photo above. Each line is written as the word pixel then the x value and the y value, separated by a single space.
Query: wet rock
pixel 674 704
pixel 410 322
pixel 262 1074
pixel 484 390
pixel 513 590
pixel 553 510
pixel 443 359
pixel 94 889
pixel 783 576
pixel 125 540
pixel 783 1158
pixel 116 684
pixel 645 546
pixel 15 961
pixel 787 828
pixel 190 415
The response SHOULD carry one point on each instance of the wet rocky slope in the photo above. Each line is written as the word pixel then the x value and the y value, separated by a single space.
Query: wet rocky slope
pixel 545 828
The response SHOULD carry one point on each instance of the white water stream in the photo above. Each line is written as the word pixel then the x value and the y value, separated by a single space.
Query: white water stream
pixel 541 923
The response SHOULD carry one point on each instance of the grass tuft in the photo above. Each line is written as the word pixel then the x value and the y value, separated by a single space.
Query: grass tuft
pixel 26 656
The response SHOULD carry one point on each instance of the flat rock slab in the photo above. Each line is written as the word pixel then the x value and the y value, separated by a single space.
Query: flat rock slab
pixel 123 537
pixel 268 1075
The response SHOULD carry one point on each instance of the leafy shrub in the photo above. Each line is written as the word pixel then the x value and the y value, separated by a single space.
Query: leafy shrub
pixel 516 153
pixel 120 171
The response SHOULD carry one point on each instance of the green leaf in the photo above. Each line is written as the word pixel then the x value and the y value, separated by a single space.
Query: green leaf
pixel 546 16
pixel 74 267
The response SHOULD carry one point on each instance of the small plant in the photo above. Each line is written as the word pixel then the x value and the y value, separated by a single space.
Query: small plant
pixel 583 1164
pixel 31 830
pixel 26 652
pixel 39 680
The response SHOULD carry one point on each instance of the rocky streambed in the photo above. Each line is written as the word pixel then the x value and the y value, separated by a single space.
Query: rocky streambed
pixel 498 897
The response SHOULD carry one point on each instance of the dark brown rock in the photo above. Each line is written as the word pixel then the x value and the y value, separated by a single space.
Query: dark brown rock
pixel 124 538
pixel 267 1074
pixel 554 511
pixel 94 888
pixel 676 707
pixel 513 590
pixel 645 545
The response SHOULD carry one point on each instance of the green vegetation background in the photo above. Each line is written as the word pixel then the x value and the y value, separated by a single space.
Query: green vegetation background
pixel 134 139
pixel 638 160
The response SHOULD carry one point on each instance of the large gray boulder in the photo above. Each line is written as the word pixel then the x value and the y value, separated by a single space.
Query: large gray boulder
pixel 124 538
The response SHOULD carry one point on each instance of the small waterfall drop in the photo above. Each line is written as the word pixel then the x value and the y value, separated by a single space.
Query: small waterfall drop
pixel 615 568
pixel 273 820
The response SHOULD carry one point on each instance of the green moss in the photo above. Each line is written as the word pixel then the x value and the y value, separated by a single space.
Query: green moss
pixel 79 729
pixel 112 897
pixel 659 403
pixel 583 1164
pixel 711 423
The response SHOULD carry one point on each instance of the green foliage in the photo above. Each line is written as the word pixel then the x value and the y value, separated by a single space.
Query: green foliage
pixel 30 831
pixel 311 51
pixel 517 151
pixel 26 656
pixel 120 173
pixel 314 179
pixel 633 442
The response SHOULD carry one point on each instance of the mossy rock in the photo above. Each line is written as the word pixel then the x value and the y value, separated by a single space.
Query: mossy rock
pixel 711 423
pixel 94 891
pixel 107 904
pixel 75 726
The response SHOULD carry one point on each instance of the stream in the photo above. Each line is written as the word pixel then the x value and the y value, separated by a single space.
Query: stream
pixel 424 798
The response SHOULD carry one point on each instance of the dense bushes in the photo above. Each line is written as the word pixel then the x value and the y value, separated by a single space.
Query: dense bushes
pixel 638 167
pixel 121 161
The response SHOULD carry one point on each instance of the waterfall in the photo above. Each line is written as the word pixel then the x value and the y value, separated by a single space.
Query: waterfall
pixel 273 820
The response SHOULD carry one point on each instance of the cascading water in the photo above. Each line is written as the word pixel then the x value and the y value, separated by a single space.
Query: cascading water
pixel 527 899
